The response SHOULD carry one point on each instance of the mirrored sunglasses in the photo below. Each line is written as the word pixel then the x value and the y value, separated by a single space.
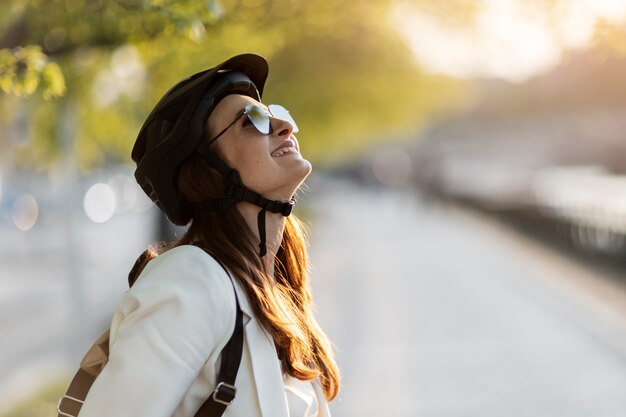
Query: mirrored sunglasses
pixel 261 120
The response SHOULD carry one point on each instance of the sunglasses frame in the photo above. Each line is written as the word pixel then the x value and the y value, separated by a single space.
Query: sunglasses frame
pixel 246 112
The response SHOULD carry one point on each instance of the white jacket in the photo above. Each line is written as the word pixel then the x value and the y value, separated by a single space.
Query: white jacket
pixel 166 337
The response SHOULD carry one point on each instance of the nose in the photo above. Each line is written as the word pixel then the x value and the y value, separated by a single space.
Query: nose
pixel 281 127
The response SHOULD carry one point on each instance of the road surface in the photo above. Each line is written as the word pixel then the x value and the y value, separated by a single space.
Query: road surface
pixel 436 312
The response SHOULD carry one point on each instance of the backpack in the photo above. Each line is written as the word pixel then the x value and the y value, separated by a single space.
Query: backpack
pixel 97 357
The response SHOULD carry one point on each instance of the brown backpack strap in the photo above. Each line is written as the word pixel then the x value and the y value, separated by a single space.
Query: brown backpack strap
pixel 71 403
pixel 94 360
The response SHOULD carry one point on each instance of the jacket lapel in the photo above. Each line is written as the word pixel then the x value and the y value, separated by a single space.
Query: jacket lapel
pixel 268 378
pixel 321 399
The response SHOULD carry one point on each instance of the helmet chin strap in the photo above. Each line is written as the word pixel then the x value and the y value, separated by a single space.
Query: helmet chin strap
pixel 237 192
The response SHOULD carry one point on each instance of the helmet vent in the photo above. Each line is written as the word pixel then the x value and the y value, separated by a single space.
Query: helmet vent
pixel 166 127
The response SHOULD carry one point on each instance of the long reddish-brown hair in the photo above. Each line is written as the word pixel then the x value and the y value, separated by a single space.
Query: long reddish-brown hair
pixel 282 305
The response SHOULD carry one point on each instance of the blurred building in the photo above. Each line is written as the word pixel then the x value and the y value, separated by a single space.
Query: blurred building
pixel 553 147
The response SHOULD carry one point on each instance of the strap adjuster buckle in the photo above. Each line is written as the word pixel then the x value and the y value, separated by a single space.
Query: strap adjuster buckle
pixel 288 207
pixel 227 392
pixel 76 401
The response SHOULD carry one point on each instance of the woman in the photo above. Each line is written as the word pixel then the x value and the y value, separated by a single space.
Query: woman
pixel 211 154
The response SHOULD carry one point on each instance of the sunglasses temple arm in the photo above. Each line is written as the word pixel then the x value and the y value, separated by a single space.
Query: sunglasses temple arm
pixel 224 130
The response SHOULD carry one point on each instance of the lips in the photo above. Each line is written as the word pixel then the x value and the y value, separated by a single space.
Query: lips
pixel 286 144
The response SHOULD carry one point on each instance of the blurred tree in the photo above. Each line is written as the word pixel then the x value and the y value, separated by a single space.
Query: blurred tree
pixel 26 69
pixel 460 14
pixel 343 70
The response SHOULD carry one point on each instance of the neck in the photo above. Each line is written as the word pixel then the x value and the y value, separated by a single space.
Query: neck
pixel 274 227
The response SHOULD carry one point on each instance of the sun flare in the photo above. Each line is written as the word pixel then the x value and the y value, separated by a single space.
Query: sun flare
pixel 509 39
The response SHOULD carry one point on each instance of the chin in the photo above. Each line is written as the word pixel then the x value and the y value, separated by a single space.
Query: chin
pixel 304 168
pixel 297 175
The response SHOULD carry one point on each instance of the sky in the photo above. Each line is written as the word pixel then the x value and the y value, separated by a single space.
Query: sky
pixel 510 39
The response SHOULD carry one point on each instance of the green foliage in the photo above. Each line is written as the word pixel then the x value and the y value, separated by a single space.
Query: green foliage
pixel 23 70
pixel 353 91
pixel 342 70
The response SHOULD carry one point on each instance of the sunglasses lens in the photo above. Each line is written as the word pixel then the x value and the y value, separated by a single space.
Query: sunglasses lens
pixel 259 119
pixel 282 113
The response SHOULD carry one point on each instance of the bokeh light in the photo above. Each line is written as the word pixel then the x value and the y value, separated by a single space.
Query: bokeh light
pixel 123 78
pixel 25 212
pixel 125 189
pixel 142 201
pixel 99 203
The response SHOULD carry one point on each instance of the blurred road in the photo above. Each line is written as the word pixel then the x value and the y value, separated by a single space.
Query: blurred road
pixel 436 312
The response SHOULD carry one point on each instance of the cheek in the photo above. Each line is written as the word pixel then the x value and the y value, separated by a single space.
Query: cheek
pixel 253 163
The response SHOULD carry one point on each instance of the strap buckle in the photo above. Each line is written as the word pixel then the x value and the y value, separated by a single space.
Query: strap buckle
pixel 226 391
pixel 288 207
pixel 61 413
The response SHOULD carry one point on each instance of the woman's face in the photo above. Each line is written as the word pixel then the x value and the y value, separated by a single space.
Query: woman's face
pixel 263 168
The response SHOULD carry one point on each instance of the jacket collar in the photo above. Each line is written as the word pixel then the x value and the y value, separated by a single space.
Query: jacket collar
pixel 243 299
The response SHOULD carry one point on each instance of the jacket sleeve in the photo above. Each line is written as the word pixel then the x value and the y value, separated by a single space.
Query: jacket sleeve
pixel 180 311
